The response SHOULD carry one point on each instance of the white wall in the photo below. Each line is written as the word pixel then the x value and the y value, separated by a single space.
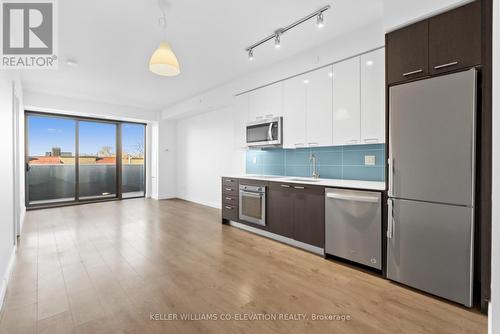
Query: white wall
pixel 8 80
pixel 205 152
pixel 70 106
pixel 165 167
pixel 494 314
pixel 398 13
pixel 64 105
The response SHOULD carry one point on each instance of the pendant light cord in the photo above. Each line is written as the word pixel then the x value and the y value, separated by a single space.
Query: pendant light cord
pixel 163 19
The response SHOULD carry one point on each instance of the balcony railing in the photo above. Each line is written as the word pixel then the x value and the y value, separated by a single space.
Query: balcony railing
pixel 57 182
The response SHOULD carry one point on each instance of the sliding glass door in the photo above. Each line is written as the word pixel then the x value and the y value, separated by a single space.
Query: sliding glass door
pixel 76 159
pixel 133 162
pixel 50 160
pixel 97 160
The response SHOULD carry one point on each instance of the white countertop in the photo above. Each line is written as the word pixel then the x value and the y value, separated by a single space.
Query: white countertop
pixel 355 184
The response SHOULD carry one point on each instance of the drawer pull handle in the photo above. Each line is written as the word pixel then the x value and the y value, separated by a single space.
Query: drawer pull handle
pixel 412 72
pixel 446 65
pixel 298 187
pixel 229 208
pixel 229 198
pixel 229 189
pixel 371 140
pixel 229 180
pixel 285 186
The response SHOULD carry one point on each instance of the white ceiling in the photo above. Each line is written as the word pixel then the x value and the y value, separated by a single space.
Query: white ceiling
pixel 112 41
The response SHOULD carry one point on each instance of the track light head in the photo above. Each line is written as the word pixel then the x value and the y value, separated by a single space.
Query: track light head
pixel 250 54
pixel 319 20
pixel 277 40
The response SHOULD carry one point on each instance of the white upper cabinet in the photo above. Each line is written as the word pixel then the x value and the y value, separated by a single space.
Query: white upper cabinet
pixel 346 102
pixel 319 107
pixel 240 117
pixel 266 102
pixel 294 112
pixel 307 114
pixel 373 97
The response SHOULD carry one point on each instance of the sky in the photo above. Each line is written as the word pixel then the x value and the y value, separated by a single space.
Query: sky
pixel 47 132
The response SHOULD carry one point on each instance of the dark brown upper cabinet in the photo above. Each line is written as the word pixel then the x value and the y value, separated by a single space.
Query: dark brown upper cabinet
pixel 455 39
pixel 407 52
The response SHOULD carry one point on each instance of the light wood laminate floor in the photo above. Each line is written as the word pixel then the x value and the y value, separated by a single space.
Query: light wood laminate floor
pixel 105 268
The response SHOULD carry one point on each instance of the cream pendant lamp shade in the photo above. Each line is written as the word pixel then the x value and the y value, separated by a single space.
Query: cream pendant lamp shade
pixel 164 62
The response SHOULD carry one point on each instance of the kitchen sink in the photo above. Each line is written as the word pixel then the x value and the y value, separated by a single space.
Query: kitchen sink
pixel 303 180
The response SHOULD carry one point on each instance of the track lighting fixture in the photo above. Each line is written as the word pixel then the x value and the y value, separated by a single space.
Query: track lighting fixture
pixel 277 33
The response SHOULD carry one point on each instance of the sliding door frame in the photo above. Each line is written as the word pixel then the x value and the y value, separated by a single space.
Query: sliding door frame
pixel 118 176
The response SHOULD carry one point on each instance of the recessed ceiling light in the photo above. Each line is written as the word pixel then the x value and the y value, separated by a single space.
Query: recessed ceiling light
pixel 369 62
pixel 250 54
pixel 306 81
pixel 330 74
pixel 72 62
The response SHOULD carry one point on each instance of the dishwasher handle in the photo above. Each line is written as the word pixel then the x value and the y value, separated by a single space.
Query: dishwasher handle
pixel 355 198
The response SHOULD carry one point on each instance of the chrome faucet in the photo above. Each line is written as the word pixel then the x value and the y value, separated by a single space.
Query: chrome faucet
pixel 312 159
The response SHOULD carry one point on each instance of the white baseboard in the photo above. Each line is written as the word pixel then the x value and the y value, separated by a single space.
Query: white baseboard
pixel 160 197
pixel 21 219
pixel 6 278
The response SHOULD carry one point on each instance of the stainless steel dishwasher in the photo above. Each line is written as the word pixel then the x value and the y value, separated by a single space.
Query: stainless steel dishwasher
pixel 354 225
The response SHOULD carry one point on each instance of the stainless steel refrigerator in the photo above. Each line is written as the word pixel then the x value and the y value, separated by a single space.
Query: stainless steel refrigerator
pixel 431 185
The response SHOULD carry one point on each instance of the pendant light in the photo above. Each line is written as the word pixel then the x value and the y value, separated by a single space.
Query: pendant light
pixel 163 61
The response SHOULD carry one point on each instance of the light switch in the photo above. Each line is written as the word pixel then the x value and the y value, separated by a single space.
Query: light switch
pixel 369 160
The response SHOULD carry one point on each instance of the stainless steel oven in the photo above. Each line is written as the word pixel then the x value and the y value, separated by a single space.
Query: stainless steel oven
pixel 253 204
pixel 266 132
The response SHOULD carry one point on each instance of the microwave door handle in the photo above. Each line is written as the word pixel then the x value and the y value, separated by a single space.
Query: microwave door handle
pixel 270 131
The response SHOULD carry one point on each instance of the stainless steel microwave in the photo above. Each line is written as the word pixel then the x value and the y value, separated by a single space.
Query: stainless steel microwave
pixel 267 132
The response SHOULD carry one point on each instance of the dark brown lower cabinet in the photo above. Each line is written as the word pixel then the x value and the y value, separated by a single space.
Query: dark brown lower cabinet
pixel 297 212
pixel 309 215
pixel 280 209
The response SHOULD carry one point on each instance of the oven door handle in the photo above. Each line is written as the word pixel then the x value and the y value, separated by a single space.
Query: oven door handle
pixel 251 194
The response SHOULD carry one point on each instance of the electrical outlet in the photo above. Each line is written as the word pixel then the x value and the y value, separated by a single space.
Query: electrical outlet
pixel 254 160
pixel 369 160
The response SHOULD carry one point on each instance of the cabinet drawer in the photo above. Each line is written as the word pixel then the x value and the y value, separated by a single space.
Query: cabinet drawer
pixel 228 181
pixel 229 190
pixel 230 199
pixel 230 212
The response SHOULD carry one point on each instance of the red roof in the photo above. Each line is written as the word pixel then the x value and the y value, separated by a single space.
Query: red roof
pixel 46 161
pixel 106 160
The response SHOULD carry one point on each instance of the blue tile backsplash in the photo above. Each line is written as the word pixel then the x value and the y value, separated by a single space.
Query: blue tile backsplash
pixel 335 162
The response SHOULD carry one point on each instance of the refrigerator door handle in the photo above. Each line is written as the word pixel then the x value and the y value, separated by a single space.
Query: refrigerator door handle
pixel 390 219
pixel 390 167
